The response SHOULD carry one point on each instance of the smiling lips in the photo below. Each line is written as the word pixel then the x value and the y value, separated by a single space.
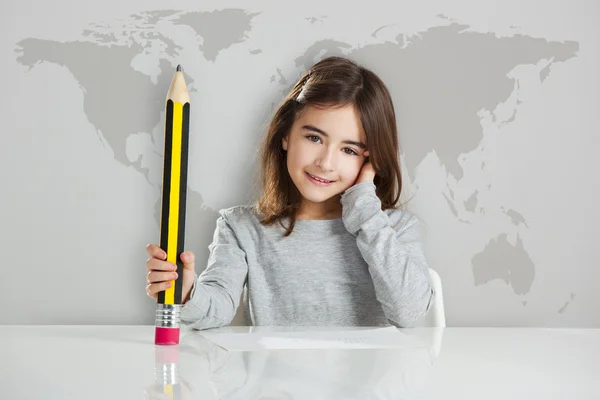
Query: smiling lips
pixel 318 180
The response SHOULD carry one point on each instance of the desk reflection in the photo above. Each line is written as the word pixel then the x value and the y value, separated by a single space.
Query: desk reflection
pixel 198 369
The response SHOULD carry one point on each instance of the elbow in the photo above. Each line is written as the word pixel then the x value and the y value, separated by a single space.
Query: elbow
pixel 221 308
pixel 207 321
pixel 210 307
pixel 412 310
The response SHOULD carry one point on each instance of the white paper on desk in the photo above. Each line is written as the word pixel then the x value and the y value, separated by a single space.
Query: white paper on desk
pixel 375 338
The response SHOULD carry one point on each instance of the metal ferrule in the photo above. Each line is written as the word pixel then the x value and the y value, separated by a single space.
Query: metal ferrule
pixel 168 315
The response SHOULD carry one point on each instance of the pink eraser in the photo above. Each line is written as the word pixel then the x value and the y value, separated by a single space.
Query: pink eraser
pixel 166 336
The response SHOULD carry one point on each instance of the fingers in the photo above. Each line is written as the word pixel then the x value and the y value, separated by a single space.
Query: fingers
pixel 152 289
pixel 157 255
pixel 154 250
pixel 188 259
pixel 161 273
pixel 149 292
pixel 158 276
pixel 157 265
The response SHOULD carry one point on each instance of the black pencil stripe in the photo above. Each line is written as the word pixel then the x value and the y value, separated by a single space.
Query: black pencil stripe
pixel 185 136
pixel 166 189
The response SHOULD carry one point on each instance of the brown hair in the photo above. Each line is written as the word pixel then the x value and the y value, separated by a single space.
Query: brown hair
pixel 331 82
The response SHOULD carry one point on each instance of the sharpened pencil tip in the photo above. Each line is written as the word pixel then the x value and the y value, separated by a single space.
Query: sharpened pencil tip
pixel 178 68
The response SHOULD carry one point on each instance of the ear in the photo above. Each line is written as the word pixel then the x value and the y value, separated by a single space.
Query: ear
pixel 284 143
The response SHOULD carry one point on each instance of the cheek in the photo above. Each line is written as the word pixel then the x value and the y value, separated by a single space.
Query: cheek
pixel 350 169
pixel 299 156
pixel 294 161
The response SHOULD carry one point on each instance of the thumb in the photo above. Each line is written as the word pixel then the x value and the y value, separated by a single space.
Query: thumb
pixel 188 259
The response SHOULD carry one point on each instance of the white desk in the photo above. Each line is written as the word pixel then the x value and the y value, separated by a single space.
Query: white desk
pixel 118 362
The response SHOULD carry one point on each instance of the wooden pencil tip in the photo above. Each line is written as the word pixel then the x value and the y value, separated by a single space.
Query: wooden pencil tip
pixel 178 68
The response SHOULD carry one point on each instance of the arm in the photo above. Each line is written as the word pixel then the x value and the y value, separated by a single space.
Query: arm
pixel 215 296
pixel 394 255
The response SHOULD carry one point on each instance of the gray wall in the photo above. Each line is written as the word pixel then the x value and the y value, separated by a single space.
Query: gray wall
pixel 498 115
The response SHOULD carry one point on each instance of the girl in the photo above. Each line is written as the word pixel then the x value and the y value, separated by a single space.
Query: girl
pixel 325 244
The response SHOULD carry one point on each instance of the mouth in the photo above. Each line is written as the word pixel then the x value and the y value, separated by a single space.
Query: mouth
pixel 318 180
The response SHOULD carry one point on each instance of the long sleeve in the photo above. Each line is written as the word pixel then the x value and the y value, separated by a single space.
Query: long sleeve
pixel 393 252
pixel 216 293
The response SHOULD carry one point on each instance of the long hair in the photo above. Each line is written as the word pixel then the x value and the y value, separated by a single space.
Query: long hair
pixel 331 82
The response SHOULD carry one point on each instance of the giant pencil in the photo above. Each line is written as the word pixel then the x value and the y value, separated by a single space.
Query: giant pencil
pixel 174 191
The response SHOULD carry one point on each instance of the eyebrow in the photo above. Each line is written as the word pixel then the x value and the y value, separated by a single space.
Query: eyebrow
pixel 322 132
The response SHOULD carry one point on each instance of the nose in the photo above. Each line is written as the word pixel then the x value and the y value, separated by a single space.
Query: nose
pixel 326 159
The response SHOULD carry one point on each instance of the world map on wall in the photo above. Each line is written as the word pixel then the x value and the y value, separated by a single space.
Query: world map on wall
pixel 425 72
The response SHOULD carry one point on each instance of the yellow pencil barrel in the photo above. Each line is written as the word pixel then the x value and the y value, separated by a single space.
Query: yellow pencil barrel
pixel 172 230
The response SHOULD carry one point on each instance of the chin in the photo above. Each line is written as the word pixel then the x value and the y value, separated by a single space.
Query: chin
pixel 319 195
pixel 313 198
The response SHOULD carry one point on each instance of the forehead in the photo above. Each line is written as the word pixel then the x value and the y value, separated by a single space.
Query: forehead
pixel 340 123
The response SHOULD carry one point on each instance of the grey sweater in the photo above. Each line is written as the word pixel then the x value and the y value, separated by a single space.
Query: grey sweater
pixel 364 269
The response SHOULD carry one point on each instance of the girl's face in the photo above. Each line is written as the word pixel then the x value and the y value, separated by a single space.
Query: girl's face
pixel 325 152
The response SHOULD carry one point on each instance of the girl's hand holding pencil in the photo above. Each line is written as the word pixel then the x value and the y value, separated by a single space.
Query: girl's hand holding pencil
pixel 162 274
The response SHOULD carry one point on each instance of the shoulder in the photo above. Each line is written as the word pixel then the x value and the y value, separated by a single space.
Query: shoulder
pixel 239 215
pixel 243 222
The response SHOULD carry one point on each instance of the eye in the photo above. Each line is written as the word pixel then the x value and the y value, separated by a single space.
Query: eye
pixel 313 138
pixel 349 151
